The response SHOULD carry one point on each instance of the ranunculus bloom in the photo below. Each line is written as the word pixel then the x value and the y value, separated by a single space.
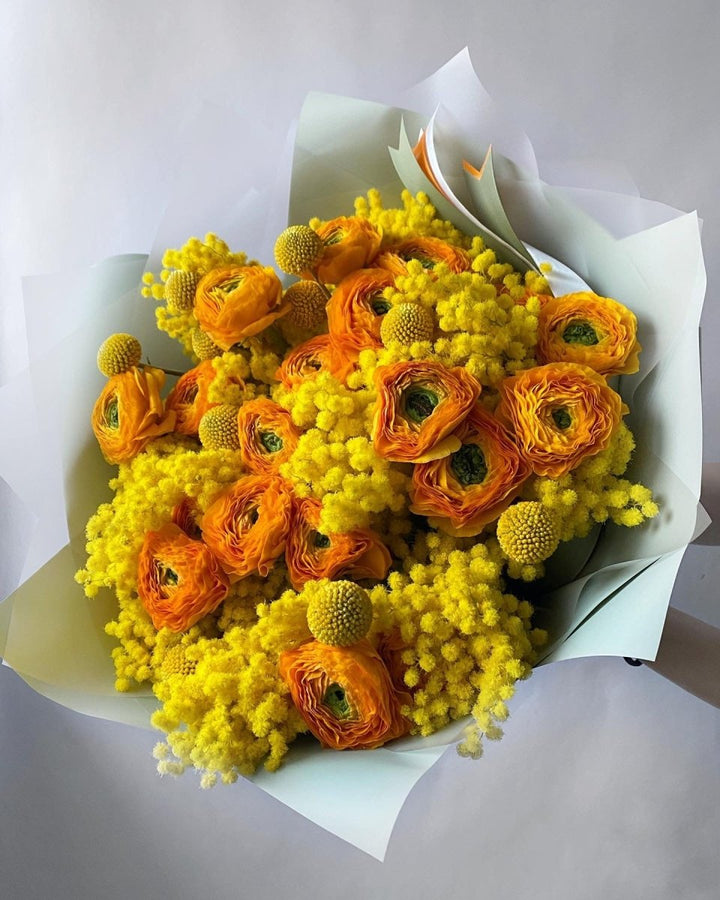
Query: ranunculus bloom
pixel 429 251
pixel 179 580
pixel 129 413
pixel 350 243
pixel 267 436
pixel 310 555
pixel 419 404
pixel 356 309
pixel 320 354
pixel 560 414
pixel 467 490
pixel 235 302
pixel 186 516
pixel 247 526
pixel 189 398
pixel 344 694
pixel 591 330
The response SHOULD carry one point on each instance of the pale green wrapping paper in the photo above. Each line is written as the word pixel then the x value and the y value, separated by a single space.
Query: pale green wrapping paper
pixel 608 594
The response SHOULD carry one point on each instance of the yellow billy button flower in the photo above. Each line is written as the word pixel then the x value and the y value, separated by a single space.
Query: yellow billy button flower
pixel 340 614
pixel 407 323
pixel 298 249
pixel 218 428
pixel 203 345
pixel 528 533
pixel 307 303
pixel 180 290
pixel 117 354
pixel 175 662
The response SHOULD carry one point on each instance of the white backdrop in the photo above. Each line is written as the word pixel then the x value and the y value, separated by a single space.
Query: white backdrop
pixel 608 780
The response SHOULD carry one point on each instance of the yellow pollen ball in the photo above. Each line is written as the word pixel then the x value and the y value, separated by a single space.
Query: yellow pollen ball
pixel 340 614
pixel 307 303
pixel 203 345
pixel 176 662
pixel 219 428
pixel 407 323
pixel 298 249
pixel 528 533
pixel 180 290
pixel 118 353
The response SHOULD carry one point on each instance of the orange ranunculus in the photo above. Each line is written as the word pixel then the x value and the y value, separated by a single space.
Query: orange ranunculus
pixel 323 353
pixel 310 555
pixel 467 490
pixel 179 580
pixel 357 307
pixel 247 526
pixel 419 404
pixel 350 243
pixel 129 413
pixel 189 398
pixel 186 515
pixel 344 694
pixel 429 251
pixel 236 302
pixel 267 436
pixel 560 414
pixel 591 330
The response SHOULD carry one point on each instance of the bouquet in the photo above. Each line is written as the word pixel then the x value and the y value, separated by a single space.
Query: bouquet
pixel 380 492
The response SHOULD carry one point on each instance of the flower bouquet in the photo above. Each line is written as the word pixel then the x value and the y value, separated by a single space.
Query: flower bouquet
pixel 443 451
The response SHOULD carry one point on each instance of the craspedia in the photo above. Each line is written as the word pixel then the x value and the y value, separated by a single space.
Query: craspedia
pixel 203 345
pixel 218 429
pixel 180 290
pixel 298 249
pixel 118 353
pixel 176 662
pixel 307 303
pixel 407 323
pixel 528 533
pixel 340 614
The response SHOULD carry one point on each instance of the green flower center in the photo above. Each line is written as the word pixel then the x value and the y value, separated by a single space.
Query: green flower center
pixel 561 417
pixel 468 465
pixel 321 541
pixel 419 403
pixel 424 261
pixel 580 333
pixel 379 306
pixel 334 237
pixel 270 441
pixel 112 414
pixel 232 284
pixel 337 702
pixel 168 576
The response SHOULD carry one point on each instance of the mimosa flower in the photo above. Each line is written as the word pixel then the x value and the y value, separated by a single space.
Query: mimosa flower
pixel 350 243
pixel 236 302
pixel 189 398
pixel 419 404
pixel 467 490
pixel 344 694
pixel 428 251
pixel 560 414
pixel 320 354
pixel 311 555
pixel 356 308
pixel 179 580
pixel 129 413
pixel 247 526
pixel 591 330
pixel 267 436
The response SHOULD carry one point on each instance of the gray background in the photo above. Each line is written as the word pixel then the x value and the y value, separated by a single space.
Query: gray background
pixel 607 782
